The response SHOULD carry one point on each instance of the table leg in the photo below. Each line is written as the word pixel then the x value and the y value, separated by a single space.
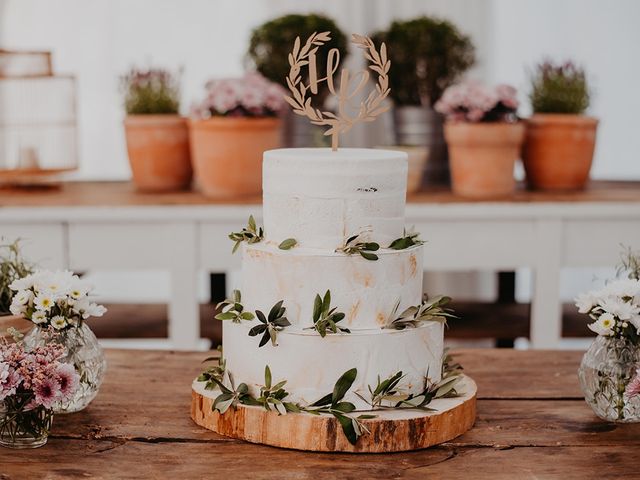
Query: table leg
pixel 184 309
pixel 546 307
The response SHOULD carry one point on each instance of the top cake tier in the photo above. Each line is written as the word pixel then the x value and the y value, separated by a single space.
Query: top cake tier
pixel 320 197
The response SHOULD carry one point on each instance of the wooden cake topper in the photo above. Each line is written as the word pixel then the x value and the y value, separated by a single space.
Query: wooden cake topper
pixel 347 90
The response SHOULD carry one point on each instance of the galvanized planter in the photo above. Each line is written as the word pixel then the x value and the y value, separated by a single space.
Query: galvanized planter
pixel 423 126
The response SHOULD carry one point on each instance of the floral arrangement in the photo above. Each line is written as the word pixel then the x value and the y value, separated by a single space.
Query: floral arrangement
pixel 559 88
pixel 614 309
pixel 475 102
pixel 12 267
pixel 151 92
pixel 610 370
pixel 56 299
pixel 32 381
pixel 249 96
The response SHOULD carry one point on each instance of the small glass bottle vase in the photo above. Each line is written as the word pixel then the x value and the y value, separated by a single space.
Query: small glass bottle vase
pixel 606 370
pixel 21 427
pixel 83 351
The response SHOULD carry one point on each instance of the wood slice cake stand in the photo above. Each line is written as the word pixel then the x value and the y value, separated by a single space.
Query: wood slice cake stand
pixel 391 431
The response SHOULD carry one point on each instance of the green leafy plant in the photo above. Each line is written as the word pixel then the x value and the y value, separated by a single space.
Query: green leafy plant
pixel 428 55
pixel 408 240
pixel 272 42
pixel 229 396
pixel 213 372
pixel 151 92
pixel 355 247
pixel 559 88
pixel 232 309
pixel 273 396
pixel 334 404
pixel 385 390
pixel 270 325
pixel 388 395
pixel 325 318
pixel 288 244
pixel 12 267
pixel 429 310
pixel 250 234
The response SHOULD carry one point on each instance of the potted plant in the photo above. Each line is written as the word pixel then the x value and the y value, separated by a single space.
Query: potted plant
pixel 428 55
pixel 230 129
pixel 484 138
pixel 269 50
pixel 12 267
pixel 560 140
pixel 157 136
pixel 58 303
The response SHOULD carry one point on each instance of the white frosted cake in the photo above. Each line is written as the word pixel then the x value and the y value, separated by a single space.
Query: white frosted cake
pixel 321 199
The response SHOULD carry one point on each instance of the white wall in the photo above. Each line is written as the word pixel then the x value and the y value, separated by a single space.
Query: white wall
pixel 604 37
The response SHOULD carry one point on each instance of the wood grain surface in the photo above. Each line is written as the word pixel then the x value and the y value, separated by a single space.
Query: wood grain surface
pixel 531 423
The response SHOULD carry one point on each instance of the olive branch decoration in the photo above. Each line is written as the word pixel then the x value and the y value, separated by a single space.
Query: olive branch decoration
pixel 368 110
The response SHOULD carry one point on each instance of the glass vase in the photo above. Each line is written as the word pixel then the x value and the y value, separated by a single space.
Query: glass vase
pixel 83 351
pixel 606 369
pixel 22 427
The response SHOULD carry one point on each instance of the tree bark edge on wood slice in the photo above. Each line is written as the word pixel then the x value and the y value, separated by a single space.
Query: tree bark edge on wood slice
pixel 395 430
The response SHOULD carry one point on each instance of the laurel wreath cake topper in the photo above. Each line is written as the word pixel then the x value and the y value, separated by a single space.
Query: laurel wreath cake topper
pixel 346 91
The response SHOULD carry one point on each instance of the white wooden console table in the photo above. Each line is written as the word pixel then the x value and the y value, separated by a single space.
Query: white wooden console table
pixel 86 226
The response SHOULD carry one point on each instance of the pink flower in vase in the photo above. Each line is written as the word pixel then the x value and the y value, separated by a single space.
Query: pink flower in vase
pixel 69 380
pixel 47 392
pixel 633 389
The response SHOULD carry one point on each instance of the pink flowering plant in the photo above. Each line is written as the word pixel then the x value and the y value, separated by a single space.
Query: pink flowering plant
pixel 32 381
pixel 60 300
pixel 475 102
pixel 249 96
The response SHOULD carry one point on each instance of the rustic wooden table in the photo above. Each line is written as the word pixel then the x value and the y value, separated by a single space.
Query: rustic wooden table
pixel 532 423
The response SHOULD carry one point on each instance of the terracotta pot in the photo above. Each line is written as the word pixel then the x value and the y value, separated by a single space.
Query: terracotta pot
pixel 158 148
pixel 13 321
pixel 418 159
pixel 558 151
pixel 227 153
pixel 482 157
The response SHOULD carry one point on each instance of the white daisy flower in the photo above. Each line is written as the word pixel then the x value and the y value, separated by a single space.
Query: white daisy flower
pixel 39 317
pixel 586 301
pixel 44 302
pixel 622 287
pixel 17 309
pixel 619 308
pixel 23 297
pixel 58 322
pixel 604 325
pixel 24 283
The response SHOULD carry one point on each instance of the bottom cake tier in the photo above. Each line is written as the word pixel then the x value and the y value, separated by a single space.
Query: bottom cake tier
pixel 311 365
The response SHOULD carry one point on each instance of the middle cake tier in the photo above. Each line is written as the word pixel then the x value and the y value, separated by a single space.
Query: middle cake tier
pixel 366 291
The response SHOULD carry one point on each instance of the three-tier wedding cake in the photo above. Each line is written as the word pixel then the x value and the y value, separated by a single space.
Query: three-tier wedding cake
pixel 330 338
pixel 337 208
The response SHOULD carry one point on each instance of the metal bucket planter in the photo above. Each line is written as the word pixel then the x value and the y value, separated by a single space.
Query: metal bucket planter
pixel 423 126
pixel 298 132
